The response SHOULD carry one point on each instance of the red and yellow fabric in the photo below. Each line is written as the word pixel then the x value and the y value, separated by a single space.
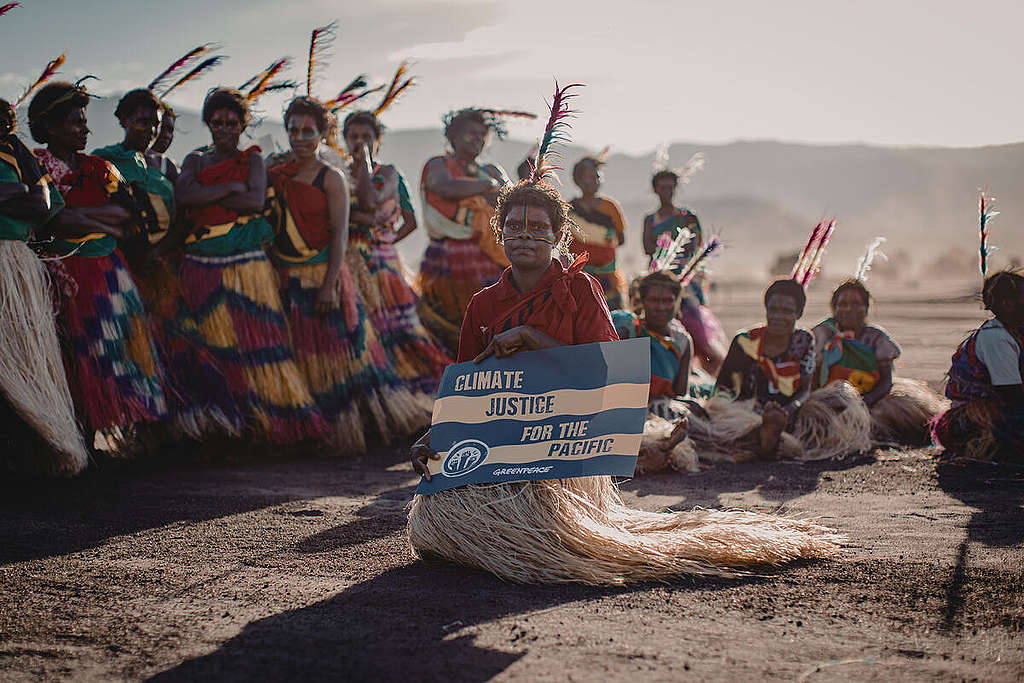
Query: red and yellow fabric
pixel 92 183
pixel 303 230
pixel 602 230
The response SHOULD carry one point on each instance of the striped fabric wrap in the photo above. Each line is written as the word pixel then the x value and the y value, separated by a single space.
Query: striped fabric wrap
pixel 344 364
pixel 451 273
pixel 392 307
pixel 198 399
pixel 112 365
pixel 236 304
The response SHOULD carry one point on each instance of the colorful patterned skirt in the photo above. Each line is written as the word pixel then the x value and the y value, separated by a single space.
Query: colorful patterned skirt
pixel 345 365
pixel 391 305
pixel 198 398
pixel 40 426
pixel 112 365
pixel 982 430
pixel 451 273
pixel 236 305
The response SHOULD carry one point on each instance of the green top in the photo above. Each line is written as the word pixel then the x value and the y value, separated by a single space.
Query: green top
pixel 135 170
pixel 15 228
pixel 241 238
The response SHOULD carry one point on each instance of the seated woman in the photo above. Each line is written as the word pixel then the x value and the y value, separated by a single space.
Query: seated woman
pixel 986 421
pixel 337 349
pixel 853 351
pixel 229 285
pixel 40 435
pixel 113 370
pixel 697 318
pixel 771 367
pixel 572 530
pixel 659 295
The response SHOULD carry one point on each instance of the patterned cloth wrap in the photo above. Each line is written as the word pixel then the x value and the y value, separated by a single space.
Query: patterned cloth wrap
pixel 601 231
pixel 852 359
pixel 752 374
pixel 666 352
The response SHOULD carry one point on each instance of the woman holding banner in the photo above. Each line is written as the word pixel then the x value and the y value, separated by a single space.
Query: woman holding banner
pixel 572 530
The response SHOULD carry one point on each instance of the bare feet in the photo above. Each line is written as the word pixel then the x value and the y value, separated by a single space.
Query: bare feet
pixel 773 421
pixel 678 433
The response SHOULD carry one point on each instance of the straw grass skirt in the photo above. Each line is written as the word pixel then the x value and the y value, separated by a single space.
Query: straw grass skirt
pixel 904 415
pixel 32 375
pixel 580 531
pixel 237 306
pixel 344 364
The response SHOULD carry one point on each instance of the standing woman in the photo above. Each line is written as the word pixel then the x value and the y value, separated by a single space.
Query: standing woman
pixel 156 156
pixel 458 201
pixel 383 214
pixel 198 400
pixel 229 284
pixel 602 229
pixel 700 322
pixel 113 371
pixel 40 434
pixel 337 349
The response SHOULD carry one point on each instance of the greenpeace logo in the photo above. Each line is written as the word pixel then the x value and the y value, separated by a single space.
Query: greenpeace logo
pixel 505 471
pixel 464 457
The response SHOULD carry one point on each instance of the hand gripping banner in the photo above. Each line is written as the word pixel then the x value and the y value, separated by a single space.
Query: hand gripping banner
pixel 570 411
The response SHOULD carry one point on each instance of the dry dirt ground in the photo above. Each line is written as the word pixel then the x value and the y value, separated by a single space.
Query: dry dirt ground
pixel 186 567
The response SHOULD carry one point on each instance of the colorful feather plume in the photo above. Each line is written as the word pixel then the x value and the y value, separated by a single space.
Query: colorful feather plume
pixel 346 100
pixel 319 43
pixel 195 73
pixel 396 88
pixel 262 80
pixel 669 248
pixel 699 260
pixel 556 131
pixel 808 264
pixel 868 257
pixel 4 9
pixel 692 167
pixel 985 215
pixel 602 156
pixel 47 74
pixel 178 65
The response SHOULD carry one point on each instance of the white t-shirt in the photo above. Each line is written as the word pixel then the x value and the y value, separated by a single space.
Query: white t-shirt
pixel 1000 353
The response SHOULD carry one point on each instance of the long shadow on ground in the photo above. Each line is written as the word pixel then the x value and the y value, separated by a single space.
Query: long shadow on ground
pixel 41 519
pixel 776 481
pixel 405 624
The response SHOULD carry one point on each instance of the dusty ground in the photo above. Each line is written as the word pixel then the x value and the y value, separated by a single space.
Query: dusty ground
pixel 189 569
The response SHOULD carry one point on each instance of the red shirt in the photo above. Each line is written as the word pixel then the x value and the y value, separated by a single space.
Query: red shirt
pixel 567 304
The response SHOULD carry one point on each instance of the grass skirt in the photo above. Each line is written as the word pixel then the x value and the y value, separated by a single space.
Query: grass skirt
pixel 344 364
pixel 32 375
pixel 904 415
pixel 579 531
pixel 198 399
pixel 391 305
pixel 984 430
pixel 452 271
pixel 235 302
pixel 112 365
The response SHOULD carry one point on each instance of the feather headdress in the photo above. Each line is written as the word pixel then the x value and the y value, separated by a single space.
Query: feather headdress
pixel 78 88
pixel 661 159
pixel 195 73
pixel 493 118
pixel 397 87
pixel 867 258
pixel 692 167
pixel 669 249
pixel 699 260
pixel 344 99
pixel 47 74
pixel 985 214
pixel 556 131
pixel 262 81
pixel 319 43
pixel 808 264
pixel 179 64
pixel 4 9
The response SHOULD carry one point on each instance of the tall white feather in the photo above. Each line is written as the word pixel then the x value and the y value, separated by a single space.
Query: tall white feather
pixel 868 257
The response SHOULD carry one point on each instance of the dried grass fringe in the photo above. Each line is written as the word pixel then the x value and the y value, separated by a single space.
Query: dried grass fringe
pixel 904 415
pixel 580 531
pixel 32 373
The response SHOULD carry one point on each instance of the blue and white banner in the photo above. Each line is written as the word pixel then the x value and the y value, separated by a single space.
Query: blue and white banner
pixel 570 411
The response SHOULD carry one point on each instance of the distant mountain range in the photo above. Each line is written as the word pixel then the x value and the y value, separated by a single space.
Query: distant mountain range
pixel 763 197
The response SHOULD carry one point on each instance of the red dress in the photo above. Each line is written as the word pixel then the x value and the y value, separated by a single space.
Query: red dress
pixel 567 304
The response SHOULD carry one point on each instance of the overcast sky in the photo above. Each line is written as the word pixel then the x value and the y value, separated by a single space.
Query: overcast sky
pixel 895 72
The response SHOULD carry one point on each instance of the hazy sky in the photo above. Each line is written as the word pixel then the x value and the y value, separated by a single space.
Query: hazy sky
pixel 888 72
